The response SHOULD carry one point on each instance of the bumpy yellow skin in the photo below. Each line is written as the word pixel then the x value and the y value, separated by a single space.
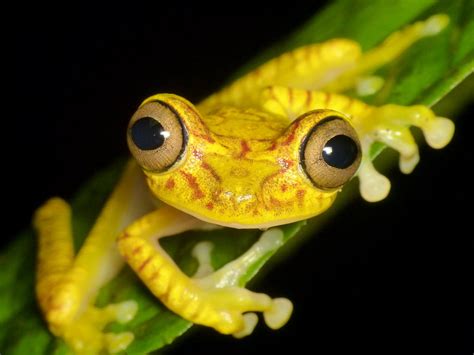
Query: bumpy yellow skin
pixel 240 169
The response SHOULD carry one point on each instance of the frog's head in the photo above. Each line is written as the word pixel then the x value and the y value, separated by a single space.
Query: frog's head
pixel 241 178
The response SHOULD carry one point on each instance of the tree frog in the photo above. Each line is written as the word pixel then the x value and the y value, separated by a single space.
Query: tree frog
pixel 274 147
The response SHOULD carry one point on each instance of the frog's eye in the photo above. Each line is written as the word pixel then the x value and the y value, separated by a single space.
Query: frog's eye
pixel 156 136
pixel 331 154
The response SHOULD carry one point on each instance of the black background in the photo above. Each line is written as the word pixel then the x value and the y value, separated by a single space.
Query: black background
pixel 395 276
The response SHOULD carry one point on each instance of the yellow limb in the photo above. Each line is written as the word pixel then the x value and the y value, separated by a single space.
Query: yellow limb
pixel 308 67
pixel 215 300
pixel 387 51
pixel 230 274
pixel 292 103
pixel 53 222
pixel 66 287
pixel 388 124
pixel 333 66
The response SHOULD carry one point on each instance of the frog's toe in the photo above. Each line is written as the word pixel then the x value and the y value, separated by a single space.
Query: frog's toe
pixel 83 340
pixel 117 342
pixel 400 139
pixel 250 321
pixel 202 253
pixel 123 312
pixel 408 163
pixel 435 24
pixel 369 85
pixel 373 185
pixel 438 132
pixel 279 313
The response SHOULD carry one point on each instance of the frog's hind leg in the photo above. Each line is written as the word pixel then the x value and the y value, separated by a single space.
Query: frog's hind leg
pixel 387 51
pixel 215 300
pixel 308 67
pixel 66 284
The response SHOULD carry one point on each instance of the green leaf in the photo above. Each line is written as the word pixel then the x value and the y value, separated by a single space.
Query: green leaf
pixel 425 74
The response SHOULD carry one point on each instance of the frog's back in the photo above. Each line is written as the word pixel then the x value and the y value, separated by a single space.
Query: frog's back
pixel 248 124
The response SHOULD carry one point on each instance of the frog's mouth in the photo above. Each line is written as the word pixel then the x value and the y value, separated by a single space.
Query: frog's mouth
pixel 247 224
pixel 248 220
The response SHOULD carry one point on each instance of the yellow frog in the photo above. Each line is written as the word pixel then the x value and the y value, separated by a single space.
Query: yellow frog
pixel 274 147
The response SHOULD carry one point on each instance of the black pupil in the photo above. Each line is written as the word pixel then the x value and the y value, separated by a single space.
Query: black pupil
pixel 340 152
pixel 148 134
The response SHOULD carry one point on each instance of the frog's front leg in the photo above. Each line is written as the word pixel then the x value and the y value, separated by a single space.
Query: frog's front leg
pixel 67 284
pixel 215 300
pixel 388 124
